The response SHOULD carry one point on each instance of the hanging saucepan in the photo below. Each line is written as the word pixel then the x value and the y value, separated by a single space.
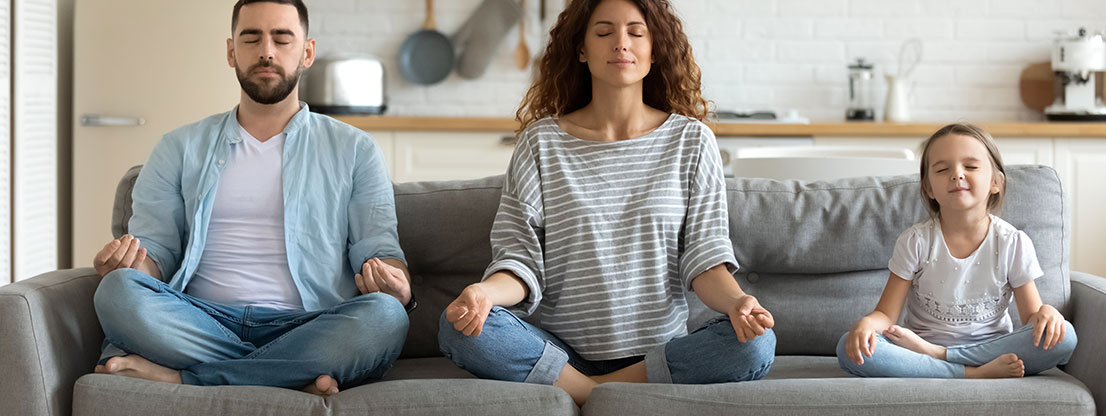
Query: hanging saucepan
pixel 426 57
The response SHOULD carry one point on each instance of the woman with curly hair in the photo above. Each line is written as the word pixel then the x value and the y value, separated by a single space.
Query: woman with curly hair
pixel 613 207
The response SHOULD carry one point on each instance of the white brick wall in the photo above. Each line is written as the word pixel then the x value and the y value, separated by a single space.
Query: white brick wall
pixel 757 54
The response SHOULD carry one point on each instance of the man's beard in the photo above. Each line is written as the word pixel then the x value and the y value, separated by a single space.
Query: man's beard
pixel 276 93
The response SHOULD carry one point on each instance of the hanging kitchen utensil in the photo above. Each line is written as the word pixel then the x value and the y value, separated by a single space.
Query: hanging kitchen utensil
pixel 426 56
pixel 482 34
pixel 522 53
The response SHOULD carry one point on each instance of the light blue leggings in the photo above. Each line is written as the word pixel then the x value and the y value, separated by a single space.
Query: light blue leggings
pixel 890 360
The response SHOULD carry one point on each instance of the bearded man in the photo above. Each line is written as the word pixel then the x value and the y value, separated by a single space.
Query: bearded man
pixel 263 247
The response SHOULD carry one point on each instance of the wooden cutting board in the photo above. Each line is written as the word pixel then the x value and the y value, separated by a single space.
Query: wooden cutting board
pixel 1036 86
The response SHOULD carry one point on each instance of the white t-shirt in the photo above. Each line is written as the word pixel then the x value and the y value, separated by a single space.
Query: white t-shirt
pixel 961 301
pixel 244 261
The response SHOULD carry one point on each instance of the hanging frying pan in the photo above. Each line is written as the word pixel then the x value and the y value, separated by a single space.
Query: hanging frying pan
pixel 426 57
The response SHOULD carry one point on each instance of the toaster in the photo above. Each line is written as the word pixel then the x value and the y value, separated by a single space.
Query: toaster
pixel 344 84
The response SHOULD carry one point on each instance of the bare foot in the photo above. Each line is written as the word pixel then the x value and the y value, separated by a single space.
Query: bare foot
pixel 324 385
pixel 1005 366
pixel 137 367
pixel 908 339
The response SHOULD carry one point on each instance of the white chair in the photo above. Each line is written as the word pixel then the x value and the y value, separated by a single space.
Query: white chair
pixel 812 163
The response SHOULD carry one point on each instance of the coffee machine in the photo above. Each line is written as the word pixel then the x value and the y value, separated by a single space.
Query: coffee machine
pixel 1078 62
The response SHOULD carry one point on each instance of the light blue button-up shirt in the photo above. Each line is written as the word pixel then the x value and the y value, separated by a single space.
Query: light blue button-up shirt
pixel 339 209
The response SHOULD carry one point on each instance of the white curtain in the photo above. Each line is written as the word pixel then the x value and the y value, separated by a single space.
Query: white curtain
pixel 5 144
pixel 34 136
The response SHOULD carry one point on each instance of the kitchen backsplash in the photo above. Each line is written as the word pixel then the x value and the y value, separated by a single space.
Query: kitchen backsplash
pixel 755 54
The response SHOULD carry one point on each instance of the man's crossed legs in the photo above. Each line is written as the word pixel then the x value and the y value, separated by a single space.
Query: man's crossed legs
pixel 157 333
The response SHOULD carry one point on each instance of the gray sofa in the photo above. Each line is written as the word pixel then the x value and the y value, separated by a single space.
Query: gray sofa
pixel 814 253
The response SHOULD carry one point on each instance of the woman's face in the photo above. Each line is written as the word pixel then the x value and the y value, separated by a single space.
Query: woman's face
pixel 617 46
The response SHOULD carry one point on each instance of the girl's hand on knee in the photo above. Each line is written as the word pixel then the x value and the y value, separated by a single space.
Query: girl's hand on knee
pixel 469 311
pixel 749 319
pixel 1049 325
pixel 861 342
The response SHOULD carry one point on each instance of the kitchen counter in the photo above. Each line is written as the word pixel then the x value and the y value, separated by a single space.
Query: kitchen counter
pixel 841 129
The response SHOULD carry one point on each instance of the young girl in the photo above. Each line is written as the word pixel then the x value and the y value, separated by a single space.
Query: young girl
pixel 613 207
pixel 956 272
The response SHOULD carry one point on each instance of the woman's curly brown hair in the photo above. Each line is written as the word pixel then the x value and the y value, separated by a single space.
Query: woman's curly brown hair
pixel 564 83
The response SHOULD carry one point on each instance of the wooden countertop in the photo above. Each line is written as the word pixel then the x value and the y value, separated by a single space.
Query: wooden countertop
pixel 841 129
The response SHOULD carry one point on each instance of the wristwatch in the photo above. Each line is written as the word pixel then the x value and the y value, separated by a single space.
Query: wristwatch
pixel 411 304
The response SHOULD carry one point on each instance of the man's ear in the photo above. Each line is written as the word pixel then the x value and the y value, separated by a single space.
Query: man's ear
pixel 230 52
pixel 308 53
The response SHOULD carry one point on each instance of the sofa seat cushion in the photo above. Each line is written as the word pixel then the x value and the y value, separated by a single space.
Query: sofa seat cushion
pixel 454 397
pixel 817 386
pixel 423 368
pixel 99 394
pixel 103 394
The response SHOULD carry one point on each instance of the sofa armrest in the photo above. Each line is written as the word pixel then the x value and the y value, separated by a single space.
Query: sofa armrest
pixel 49 336
pixel 1088 297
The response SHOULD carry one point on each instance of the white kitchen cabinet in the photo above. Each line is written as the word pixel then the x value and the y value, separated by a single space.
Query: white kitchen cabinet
pixel 428 156
pixel 1026 151
pixel 910 143
pixel 1015 151
pixel 1081 164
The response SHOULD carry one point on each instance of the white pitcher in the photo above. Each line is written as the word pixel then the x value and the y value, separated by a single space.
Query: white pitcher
pixel 897 107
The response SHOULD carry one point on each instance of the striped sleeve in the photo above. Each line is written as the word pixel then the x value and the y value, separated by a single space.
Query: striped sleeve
pixel 706 228
pixel 518 233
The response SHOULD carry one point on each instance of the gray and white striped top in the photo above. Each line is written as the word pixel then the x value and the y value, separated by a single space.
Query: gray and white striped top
pixel 609 235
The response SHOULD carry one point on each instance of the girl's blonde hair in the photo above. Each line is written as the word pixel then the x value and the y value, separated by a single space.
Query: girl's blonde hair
pixel 994 202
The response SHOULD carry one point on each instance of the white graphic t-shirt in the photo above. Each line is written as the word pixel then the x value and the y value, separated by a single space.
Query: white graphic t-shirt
pixel 961 301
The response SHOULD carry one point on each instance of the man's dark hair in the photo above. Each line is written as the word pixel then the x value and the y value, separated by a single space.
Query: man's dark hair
pixel 300 7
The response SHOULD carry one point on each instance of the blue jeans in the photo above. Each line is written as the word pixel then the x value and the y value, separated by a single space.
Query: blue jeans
pixel 513 350
pixel 212 344
pixel 890 360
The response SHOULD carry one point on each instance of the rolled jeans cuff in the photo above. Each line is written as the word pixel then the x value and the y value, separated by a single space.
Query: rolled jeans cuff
pixel 952 355
pixel 656 366
pixel 108 352
pixel 549 365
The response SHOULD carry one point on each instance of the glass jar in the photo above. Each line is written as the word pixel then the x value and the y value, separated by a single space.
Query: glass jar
pixel 862 92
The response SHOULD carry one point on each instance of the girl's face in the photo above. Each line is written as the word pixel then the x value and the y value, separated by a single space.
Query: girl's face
pixel 961 176
pixel 617 46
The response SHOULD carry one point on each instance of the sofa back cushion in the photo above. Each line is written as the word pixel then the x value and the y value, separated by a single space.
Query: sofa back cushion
pixel 445 231
pixel 814 253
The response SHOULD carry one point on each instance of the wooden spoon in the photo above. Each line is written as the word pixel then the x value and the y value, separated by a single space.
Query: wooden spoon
pixel 522 53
